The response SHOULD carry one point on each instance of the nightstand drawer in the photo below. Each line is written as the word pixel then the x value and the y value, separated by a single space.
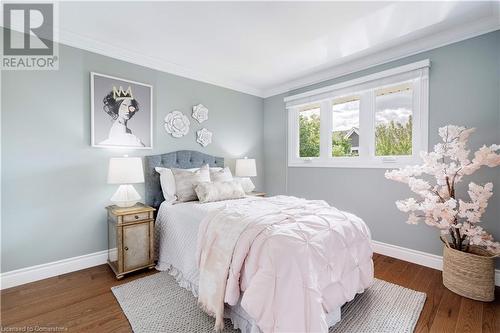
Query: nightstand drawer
pixel 136 217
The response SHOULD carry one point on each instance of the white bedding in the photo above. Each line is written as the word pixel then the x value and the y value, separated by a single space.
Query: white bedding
pixel 176 235
pixel 176 242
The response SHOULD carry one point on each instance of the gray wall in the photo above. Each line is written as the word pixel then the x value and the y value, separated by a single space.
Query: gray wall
pixel 464 90
pixel 54 184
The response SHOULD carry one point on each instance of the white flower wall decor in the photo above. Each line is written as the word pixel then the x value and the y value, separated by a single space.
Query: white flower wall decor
pixel 176 124
pixel 200 113
pixel 204 137
pixel 436 184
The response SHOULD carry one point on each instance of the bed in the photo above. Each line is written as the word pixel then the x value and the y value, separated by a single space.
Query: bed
pixel 177 227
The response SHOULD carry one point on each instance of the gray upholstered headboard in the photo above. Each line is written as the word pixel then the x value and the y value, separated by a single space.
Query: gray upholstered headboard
pixel 183 159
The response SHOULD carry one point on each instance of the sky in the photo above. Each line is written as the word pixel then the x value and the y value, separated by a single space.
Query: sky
pixel 310 112
pixel 345 116
pixel 396 106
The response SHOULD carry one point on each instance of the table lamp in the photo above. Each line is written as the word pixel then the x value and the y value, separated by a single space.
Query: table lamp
pixel 245 167
pixel 125 171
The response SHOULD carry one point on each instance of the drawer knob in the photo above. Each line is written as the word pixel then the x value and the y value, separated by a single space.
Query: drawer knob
pixel 126 248
pixel 136 217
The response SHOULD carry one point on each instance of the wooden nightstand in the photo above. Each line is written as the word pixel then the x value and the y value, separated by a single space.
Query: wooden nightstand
pixel 257 194
pixel 130 238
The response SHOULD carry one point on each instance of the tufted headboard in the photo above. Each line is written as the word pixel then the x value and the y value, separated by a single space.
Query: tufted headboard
pixel 182 159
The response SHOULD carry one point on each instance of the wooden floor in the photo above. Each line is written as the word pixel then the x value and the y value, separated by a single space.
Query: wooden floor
pixel 82 301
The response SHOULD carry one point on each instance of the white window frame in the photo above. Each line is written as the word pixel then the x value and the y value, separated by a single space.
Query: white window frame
pixel 416 73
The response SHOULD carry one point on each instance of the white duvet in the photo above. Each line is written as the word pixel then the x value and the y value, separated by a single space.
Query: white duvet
pixel 177 228
pixel 293 261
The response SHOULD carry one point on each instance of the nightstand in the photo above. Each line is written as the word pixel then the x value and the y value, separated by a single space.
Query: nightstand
pixel 130 238
pixel 257 194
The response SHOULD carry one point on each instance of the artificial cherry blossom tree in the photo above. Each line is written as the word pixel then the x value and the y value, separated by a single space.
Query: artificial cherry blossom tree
pixel 437 203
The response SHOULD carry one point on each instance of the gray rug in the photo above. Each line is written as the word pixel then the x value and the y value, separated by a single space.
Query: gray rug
pixel 156 303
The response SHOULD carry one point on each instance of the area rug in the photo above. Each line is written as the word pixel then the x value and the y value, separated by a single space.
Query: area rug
pixel 156 303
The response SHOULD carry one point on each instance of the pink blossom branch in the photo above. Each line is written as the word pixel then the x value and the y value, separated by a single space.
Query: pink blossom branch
pixel 448 163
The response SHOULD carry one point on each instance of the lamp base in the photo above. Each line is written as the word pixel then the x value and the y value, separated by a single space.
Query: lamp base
pixel 125 196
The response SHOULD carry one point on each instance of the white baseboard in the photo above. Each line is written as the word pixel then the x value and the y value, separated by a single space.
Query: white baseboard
pixel 44 271
pixel 416 257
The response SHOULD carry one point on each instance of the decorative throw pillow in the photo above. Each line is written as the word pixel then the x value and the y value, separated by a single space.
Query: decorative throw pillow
pixel 167 183
pixel 246 183
pixel 208 192
pixel 220 175
pixel 185 181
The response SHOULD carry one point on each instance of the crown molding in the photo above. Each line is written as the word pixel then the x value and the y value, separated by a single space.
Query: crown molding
pixel 405 49
pixel 364 60
pixel 89 44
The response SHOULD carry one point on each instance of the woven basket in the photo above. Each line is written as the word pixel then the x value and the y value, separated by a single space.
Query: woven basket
pixel 470 274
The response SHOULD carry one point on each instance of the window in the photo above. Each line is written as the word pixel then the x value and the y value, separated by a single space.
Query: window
pixel 375 121
pixel 309 131
pixel 345 126
pixel 393 121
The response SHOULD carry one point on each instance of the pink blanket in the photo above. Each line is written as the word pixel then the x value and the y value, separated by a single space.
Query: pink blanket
pixel 294 260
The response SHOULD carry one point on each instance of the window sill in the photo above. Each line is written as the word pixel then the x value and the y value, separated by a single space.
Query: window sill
pixel 357 164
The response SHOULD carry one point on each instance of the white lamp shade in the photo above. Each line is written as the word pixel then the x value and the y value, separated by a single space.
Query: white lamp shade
pixel 125 170
pixel 245 168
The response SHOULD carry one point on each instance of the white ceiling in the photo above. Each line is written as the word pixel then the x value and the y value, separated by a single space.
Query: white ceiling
pixel 265 48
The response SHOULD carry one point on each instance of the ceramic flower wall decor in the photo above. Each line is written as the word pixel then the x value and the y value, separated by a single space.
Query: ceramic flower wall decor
pixel 200 113
pixel 204 137
pixel 176 124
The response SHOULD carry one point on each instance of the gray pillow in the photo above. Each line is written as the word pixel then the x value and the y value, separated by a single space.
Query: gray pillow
pixel 185 180
pixel 208 192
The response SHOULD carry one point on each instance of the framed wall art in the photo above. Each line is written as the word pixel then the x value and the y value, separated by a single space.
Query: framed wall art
pixel 122 113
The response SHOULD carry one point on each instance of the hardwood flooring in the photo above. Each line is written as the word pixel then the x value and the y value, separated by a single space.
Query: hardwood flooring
pixel 82 301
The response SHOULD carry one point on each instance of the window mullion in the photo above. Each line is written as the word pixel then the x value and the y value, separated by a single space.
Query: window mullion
pixel 293 134
pixel 416 119
pixel 326 130
pixel 366 125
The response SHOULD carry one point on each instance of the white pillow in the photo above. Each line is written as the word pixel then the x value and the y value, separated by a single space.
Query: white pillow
pixel 220 175
pixel 185 181
pixel 167 183
pixel 246 183
pixel 208 192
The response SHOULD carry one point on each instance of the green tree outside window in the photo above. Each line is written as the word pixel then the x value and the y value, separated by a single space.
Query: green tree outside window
pixel 393 138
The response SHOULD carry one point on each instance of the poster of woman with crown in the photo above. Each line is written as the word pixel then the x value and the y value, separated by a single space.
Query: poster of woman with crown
pixel 121 113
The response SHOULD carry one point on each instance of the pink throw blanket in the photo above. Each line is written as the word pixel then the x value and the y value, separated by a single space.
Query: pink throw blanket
pixel 295 260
